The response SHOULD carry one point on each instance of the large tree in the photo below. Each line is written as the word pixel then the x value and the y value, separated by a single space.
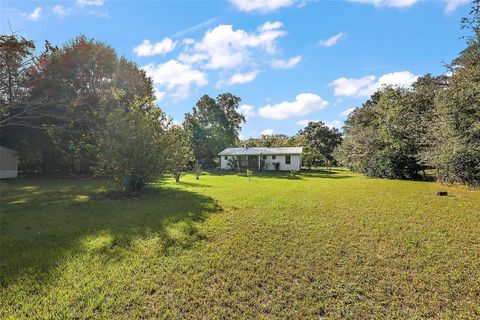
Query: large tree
pixel 214 125
pixel 321 140
pixel 82 82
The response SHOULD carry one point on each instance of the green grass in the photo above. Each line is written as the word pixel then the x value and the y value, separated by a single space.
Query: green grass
pixel 330 244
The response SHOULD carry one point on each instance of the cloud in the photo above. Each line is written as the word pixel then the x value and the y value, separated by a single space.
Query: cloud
pixel 35 15
pixel 286 64
pixel 347 112
pixel 262 6
pixel 366 86
pixel 60 11
pixel 159 95
pixel 176 78
pixel 225 48
pixel 330 42
pixel 452 5
pixel 248 111
pixel 149 49
pixel 388 3
pixel 331 124
pixel 239 78
pixel 267 132
pixel 96 3
pixel 304 104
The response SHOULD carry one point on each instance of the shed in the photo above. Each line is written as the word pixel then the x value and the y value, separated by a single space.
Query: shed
pixel 8 163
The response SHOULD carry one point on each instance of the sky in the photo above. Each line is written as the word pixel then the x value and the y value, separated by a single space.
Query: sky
pixel 290 61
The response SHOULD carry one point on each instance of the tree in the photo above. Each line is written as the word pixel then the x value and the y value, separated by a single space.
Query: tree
pixel 214 125
pixel 321 140
pixel 180 151
pixel 454 136
pixel 82 83
pixel 133 147
pixel 16 58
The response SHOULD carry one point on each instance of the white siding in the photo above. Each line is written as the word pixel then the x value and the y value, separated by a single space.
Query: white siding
pixel 224 163
pixel 295 162
pixel 8 163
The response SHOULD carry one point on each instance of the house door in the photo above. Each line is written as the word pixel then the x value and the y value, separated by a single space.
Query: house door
pixel 252 162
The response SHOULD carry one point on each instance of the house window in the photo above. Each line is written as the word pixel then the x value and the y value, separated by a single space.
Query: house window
pixel 287 159
pixel 274 157
pixel 226 157
pixel 264 157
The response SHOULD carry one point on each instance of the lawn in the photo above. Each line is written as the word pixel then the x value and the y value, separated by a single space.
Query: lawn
pixel 329 244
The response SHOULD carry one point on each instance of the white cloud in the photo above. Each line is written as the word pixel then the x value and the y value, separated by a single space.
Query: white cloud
pixel 96 3
pixel 176 77
pixel 267 132
pixel 388 3
pixel 159 95
pixel 149 49
pixel 452 5
pixel 347 112
pixel 304 104
pixel 225 48
pixel 331 124
pixel 286 64
pixel 60 11
pixel 248 111
pixel 35 15
pixel 330 42
pixel 366 86
pixel 305 122
pixel 262 6
pixel 239 78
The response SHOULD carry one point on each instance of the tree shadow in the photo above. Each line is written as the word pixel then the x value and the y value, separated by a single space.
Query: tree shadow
pixel 300 175
pixel 44 221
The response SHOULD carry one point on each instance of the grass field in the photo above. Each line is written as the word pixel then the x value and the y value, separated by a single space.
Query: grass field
pixel 330 244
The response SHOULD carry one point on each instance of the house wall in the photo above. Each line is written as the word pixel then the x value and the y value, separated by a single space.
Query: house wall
pixel 224 163
pixel 8 163
pixel 295 162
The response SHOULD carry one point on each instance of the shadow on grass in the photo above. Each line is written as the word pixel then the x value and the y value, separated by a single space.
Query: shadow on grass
pixel 314 173
pixel 45 221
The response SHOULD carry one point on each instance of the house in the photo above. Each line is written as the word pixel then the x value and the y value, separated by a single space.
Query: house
pixel 8 163
pixel 285 159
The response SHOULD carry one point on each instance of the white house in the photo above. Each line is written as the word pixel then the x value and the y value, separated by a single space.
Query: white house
pixel 261 158
pixel 8 163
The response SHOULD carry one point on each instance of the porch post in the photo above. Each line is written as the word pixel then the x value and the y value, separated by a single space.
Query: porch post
pixel 258 162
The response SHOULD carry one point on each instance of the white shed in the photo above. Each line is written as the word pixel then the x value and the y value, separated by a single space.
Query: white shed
pixel 8 163
pixel 286 159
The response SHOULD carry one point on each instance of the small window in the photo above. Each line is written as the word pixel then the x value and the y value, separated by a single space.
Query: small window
pixel 264 157
pixel 226 157
pixel 287 159
pixel 274 157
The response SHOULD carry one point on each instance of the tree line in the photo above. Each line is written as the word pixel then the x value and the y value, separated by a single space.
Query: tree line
pixel 403 133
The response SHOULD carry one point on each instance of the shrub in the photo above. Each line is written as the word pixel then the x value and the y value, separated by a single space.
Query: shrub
pixel 277 165
pixel 133 149
pixel 462 167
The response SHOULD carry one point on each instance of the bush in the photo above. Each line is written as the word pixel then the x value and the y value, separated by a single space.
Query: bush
pixel 462 167
pixel 393 164
pixel 132 149
pixel 277 165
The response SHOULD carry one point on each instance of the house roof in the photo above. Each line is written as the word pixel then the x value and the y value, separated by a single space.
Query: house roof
pixel 260 151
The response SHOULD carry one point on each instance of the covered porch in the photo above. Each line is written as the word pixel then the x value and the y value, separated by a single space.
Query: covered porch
pixel 250 162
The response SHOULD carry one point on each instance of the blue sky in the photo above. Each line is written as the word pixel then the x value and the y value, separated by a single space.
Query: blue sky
pixel 290 61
